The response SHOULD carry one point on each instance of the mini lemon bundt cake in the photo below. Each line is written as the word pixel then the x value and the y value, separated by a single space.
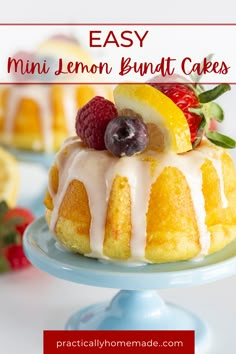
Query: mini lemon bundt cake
pixel 38 117
pixel 142 181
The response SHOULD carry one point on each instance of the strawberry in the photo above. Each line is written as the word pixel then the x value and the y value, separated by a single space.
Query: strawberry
pixel 24 214
pixel 13 223
pixel 198 109
pixel 213 124
pixel 184 98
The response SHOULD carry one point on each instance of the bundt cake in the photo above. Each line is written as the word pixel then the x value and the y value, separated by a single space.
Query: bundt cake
pixel 38 117
pixel 131 198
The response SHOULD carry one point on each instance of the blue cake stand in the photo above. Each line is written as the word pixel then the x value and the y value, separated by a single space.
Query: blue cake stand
pixel 137 306
pixel 44 159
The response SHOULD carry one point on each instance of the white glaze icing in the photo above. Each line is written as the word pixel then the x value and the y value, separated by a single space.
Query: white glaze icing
pixel 97 169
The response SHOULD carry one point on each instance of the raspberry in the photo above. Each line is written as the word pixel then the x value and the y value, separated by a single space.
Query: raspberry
pixel 92 120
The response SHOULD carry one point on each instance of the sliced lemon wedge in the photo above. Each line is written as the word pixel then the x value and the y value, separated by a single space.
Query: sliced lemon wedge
pixel 167 125
pixel 9 178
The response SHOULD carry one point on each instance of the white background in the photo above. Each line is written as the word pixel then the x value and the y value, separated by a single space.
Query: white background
pixel 31 301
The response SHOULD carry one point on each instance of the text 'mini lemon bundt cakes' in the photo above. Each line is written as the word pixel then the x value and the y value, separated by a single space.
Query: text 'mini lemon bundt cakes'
pixel 142 181
pixel 40 116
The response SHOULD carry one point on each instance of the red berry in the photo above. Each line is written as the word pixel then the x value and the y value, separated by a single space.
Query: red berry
pixel 22 213
pixel 23 55
pixel 13 223
pixel 92 120
pixel 184 98
pixel 16 257
pixel 213 125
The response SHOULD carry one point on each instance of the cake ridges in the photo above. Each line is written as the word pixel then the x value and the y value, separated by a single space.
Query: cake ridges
pixel 79 165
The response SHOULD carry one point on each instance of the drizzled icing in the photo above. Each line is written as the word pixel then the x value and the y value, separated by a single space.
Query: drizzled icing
pixel 97 170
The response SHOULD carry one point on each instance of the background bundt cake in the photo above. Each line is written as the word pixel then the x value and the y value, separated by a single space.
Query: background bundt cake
pixel 128 198
pixel 40 116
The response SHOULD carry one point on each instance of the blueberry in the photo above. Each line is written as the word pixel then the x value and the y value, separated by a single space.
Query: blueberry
pixel 125 136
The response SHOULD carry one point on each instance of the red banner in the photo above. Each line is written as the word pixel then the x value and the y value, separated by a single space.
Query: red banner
pixel 104 342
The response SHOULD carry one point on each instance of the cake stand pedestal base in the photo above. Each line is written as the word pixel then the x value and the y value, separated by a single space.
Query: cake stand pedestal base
pixel 140 310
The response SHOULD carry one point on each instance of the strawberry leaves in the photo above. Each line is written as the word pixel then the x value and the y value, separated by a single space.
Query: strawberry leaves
pixel 217 112
pixel 8 233
pixel 211 95
pixel 209 110
pixel 4 266
pixel 200 132
pixel 221 140
pixel 195 77
pixel 3 209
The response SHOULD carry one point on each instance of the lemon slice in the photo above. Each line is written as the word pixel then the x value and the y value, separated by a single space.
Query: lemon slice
pixel 9 178
pixel 167 125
